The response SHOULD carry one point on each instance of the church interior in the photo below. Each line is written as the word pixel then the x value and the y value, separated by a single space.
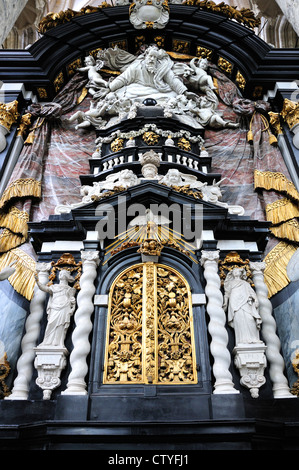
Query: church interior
pixel 149 225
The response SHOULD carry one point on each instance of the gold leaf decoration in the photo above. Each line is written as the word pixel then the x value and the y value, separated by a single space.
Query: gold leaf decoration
pixel 150 337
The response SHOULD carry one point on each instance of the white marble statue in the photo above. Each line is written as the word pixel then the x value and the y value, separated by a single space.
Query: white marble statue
pixel 198 76
pixel 149 76
pixel 61 306
pixel 143 12
pixel 92 68
pixel 241 304
pixel 174 177
pixel 152 74
pixel 205 112
pixel 124 178
pixel 98 110
pixel 210 192
pixel 150 172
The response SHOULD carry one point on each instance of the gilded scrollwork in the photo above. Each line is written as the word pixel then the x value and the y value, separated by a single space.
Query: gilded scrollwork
pixel 124 347
pixel 150 329
pixel 175 348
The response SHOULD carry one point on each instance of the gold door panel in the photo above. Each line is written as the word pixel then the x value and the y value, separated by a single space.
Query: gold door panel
pixel 150 336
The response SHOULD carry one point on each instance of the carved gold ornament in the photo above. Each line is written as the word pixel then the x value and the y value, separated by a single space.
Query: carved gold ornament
pixel 179 45
pixel 150 238
pixel 150 138
pixel 295 364
pixel 184 144
pixel 150 337
pixel 51 20
pixel 117 145
pixel 73 66
pixel 275 122
pixel 24 125
pixel 240 80
pixel 225 65
pixel 204 53
pixel 58 82
pixel 4 371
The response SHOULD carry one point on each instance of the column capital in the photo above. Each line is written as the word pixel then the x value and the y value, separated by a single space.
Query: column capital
pixel 257 267
pixel 209 256
pixel 43 267
pixel 90 256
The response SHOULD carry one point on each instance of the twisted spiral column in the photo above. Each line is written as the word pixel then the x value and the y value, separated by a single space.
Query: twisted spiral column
pixel 81 346
pixel 276 362
pixel 216 327
pixel 32 330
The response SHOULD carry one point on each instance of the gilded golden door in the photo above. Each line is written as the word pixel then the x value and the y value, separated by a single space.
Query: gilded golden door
pixel 150 336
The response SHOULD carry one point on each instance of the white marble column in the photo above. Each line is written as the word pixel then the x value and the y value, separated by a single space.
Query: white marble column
pixel 81 345
pixel 275 359
pixel 216 327
pixel 25 363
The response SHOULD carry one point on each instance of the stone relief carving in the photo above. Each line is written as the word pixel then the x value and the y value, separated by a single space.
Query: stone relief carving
pixel 241 304
pixel 151 75
pixel 173 178
pixel 60 308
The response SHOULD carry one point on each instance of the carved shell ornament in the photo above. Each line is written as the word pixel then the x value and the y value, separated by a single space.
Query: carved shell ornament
pixel 149 14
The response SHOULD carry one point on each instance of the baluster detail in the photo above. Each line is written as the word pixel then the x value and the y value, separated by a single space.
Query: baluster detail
pixel 81 345
pixel 216 327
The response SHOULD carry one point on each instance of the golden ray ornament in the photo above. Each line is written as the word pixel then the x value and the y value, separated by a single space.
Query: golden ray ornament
pixel 150 238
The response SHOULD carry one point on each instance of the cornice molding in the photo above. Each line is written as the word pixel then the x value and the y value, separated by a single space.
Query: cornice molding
pixel 47 65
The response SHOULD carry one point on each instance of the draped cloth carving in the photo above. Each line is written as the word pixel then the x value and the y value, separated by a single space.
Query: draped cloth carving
pixel 150 336
pixel 26 183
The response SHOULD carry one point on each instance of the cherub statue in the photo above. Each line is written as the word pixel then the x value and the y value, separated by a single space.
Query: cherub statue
pixel 198 77
pixel 204 110
pixel 97 111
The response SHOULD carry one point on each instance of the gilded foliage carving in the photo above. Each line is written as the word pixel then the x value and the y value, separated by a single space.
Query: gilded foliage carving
pixel 124 349
pixel 176 361
pixel 150 328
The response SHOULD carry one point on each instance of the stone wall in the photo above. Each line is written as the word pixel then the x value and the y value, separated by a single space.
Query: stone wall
pixel 9 12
